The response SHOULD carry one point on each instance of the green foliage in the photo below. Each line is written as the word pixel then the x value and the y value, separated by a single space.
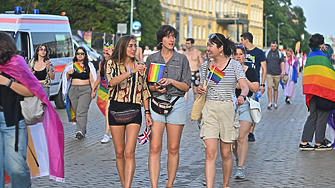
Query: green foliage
pixel 149 13
pixel 294 24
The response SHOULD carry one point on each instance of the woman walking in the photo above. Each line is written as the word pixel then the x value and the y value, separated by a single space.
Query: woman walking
pixel 245 119
pixel 128 90
pixel 17 82
pixel 78 80
pixel 42 68
pixel 175 81
pixel 291 71
pixel 102 101
pixel 318 83
pixel 219 118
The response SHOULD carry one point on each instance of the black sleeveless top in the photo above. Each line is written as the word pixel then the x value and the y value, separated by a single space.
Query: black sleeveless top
pixel 41 75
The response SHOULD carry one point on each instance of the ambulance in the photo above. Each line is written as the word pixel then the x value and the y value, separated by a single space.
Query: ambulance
pixel 31 30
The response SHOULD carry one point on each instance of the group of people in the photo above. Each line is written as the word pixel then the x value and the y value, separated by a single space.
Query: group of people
pixel 124 77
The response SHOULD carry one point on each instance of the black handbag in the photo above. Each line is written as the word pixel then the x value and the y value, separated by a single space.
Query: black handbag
pixel 162 107
pixel 324 104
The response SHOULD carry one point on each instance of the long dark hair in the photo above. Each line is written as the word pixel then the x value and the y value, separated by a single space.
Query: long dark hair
pixel 221 40
pixel 164 31
pixel 7 48
pixel 120 50
pixel 75 59
pixel 46 57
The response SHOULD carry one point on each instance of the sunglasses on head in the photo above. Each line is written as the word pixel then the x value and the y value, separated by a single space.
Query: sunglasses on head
pixel 241 46
pixel 211 36
pixel 80 53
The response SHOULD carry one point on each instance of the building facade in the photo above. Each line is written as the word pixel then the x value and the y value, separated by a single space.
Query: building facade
pixel 199 18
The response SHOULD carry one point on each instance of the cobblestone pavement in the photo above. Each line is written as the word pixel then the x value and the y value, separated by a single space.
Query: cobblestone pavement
pixel 274 159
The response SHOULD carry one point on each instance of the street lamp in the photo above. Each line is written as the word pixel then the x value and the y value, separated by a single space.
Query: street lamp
pixel 131 16
pixel 266 29
pixel 279 24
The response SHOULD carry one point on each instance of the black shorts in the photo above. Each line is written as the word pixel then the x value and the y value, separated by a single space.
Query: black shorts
pixel 121 113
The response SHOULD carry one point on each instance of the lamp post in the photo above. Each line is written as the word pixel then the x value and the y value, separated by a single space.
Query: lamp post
pixel 131 16
pixel 266 29
pixel 279 24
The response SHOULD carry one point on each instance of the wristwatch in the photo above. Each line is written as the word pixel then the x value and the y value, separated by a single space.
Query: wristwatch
pixel 262 85
pixel 244 97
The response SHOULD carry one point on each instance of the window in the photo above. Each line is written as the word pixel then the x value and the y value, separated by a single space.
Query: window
pixel 195 32
pixel 23 44
pixel 174 2
pixel 189 3
pixel 204 33
pixel 195 4
pixel 185 31
pixel 204 5
pixel 199 5
pixel 59 44
pixel 199 32
pixel 168 1
pixel 185 4
pixel 209 5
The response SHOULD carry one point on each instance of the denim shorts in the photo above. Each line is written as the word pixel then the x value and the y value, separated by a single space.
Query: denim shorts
pixel 244 112
pixel 177 116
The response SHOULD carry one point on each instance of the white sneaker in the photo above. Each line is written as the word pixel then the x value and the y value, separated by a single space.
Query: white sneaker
pixel 107 138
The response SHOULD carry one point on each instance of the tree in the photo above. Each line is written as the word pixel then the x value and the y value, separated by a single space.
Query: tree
pixel 149 13
pixel 294 23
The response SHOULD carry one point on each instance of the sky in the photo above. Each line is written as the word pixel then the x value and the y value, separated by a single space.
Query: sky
pixel 319 15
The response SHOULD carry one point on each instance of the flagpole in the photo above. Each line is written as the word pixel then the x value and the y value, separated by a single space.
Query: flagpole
pixel 210 78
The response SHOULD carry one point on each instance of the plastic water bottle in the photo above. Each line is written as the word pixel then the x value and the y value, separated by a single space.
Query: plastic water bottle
pixel 259 94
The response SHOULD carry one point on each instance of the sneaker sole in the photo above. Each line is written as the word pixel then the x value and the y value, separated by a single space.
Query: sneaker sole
pixel 323 149
pixel 306 149
pixel 238 178
pixel 104 142
pixel 79 136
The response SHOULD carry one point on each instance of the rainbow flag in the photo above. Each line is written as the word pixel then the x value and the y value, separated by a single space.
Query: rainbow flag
pixel 318 77
pixel 69 109
pixel 102 95
pixel 215 74
pixel 155 72
pixel 78 67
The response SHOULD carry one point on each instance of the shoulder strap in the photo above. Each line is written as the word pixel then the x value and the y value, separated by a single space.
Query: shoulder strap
pixel 267 53
pixel 174 101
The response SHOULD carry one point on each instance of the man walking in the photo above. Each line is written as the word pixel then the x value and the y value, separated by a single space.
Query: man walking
pixel 275 71
pixel 255 58
pixel 194 58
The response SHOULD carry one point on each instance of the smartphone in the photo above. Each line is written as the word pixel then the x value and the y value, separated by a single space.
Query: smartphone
pixel 159 84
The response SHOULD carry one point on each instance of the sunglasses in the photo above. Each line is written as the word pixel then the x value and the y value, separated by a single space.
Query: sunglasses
pixel 80 53
pixel 43 49
pixel 106 53
pixel 241 46
pixel 211 36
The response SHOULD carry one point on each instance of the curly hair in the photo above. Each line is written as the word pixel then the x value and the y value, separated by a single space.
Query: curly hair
pixel 7 48
pixel 164 31
pixel 316 40
pixel 37 49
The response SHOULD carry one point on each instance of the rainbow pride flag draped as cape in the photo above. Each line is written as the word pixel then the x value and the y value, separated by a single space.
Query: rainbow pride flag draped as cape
pixel 102 95
pixel 215 74
pixel 318 77
pixel 46 137
pixel 155 72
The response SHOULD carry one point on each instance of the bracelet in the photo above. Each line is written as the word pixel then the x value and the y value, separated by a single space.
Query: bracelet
pixel 147 112
pixel 244 97
pixel 9 83
pixel 262 85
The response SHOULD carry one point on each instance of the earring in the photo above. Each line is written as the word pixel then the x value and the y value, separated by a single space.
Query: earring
pixel 221 54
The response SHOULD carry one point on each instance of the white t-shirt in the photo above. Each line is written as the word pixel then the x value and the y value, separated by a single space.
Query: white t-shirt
pixel 146 53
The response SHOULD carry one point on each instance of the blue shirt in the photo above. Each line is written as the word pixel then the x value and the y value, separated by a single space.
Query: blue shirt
pixel 254 58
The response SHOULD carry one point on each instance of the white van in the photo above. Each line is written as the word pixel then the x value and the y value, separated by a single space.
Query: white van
pixel 30 30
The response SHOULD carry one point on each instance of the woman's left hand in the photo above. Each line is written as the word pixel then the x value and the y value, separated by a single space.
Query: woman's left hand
pixel 148 119
pixel 165 81
pixel 240 101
